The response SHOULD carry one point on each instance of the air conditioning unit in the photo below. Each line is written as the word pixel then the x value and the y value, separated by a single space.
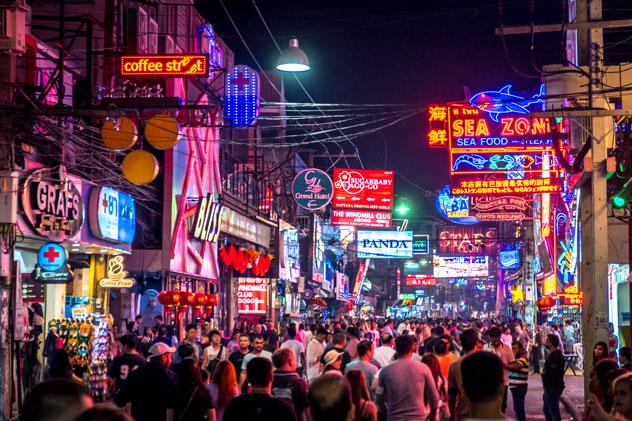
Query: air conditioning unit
pixel 13 27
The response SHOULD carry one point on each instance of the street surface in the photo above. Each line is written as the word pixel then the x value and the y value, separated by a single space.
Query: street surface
pixel 573 393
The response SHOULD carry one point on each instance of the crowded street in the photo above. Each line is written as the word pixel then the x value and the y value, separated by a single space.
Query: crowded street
pixel 333 210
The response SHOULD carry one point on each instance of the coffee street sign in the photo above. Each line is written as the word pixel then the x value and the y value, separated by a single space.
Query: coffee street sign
pixel 52 204
pixel 312 189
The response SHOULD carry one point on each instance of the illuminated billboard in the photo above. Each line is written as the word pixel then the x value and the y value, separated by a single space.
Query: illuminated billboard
pixel 509 259
pixel 252 295
pixel 385 244
pixel 361 218
pixel 460 240
pixel 165 65
pixel 418 280
pixel 437 133
pixel 460 266
pixel 363 189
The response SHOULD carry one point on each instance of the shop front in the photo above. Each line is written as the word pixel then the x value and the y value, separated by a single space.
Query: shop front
pixel 70 257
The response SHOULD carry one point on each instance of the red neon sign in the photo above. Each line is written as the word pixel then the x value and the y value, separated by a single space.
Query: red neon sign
pixel 361 218
pixel 252 295
pixel 458 241
pixel 437 134
pixel 363 189
pixel 420 280
pixel 165 65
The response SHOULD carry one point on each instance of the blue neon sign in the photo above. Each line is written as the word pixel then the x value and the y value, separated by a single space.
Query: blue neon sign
pixel 503 101
pixel 241 102
pixel 454 208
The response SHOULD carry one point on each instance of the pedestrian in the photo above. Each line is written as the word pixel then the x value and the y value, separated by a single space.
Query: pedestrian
pixel 223 387
pixel 339 342
pixel 352 342
pixel 522 336
pixel 404 385
pixel 536 350
pixel 600 352
pixel 613 342
pixel 60 367
pixel 553 378
pixel 506 337
pixel 190 338
pixel 622 403
pixel 598 383
pixel 484 384
pixel 56 399
pixel 458 403
pixel 297 348
pixel 287 384
pixel 364 408
pixel 445 358
pixel 569 337
pixel 363 362
pixel 384 354
pixel 373 334
pixel 441 384
pixel 237 357
pixel 505 354
pixel 315 350
pixel 150 388
pixel 330 399
pixel 191 399
pixel 258 404
pixel 519 380
pixel 215 352
pixel 624 357
pixel 125 363
pixel 332 362
pixel 301 335
pixel 257 351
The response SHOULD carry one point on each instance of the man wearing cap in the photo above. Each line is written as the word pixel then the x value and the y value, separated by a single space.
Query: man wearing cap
pixel 150 388
pixel 125 363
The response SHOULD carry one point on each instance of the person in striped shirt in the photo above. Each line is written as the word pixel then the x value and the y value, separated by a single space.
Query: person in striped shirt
pixel 519 380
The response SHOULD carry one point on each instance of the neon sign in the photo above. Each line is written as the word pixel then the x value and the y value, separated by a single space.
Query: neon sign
pixel 503 101
pixel 420 280
pixel 437 134
pixel 466 240
pixel 460 266
pixel 312 189
pixel 363 189
pixel 241 102
pixel 473 186
pixel 165 65
pixel 361 218
pixel 500 208
pixel 454 208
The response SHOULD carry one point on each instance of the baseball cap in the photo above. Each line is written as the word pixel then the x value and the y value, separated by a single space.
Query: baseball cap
pixel 160 348
pixel 332 356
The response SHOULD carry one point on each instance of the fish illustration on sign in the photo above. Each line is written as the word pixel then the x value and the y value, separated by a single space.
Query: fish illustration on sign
pixel 503 101
pixel 473 160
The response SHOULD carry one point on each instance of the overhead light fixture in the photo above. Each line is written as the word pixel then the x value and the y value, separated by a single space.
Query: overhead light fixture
pixel 293 59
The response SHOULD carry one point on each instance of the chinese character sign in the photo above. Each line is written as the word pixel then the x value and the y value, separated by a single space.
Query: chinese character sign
pixel 437 134
pixel 241 102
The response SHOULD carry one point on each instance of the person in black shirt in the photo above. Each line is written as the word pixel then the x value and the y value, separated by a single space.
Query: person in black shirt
pixel 125 363
pixel 339 343
pixel 150 388
pixel 553 379
pixel 287 384
pixel 258 405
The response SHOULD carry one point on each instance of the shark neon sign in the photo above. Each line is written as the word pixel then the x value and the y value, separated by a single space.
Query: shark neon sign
pixel 503 101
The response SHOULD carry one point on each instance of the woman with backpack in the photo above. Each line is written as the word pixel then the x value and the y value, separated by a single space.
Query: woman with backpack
pixel 214 353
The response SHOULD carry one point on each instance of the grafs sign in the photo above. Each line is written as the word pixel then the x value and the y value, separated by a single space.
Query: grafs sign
pixel 52 204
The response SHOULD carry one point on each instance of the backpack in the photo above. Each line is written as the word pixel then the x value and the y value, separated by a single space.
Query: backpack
pixel 213 363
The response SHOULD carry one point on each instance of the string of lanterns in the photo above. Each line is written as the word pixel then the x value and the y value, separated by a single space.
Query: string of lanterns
pixel 242 259
pixel 180 301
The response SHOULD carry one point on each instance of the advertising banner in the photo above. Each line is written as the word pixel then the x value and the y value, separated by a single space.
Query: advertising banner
pixel 385 244
pixel 252 295
pixel 420 280
pixel 460 266
pixel 361 218
pixel 363 189
pixel 312 189
pixel 509 259
pixel 461 240
pixel 112 215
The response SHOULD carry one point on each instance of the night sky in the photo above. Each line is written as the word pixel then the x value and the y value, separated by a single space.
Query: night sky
pixel 396 51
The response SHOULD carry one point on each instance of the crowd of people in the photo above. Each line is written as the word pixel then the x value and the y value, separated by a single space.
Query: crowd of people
pixel 338 370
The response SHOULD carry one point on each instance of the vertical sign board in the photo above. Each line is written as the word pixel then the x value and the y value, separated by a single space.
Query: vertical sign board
pixel 437 133
pixel 241 101
pixel 363 189
pixel 112 215
pixel 252 295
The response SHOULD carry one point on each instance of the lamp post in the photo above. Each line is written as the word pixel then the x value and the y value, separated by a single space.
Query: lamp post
pixel 293 59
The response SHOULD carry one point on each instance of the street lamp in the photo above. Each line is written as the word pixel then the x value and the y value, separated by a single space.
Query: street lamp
pixel 293 59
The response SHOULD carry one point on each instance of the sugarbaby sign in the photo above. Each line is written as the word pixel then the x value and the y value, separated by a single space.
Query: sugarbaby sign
pixel 363 189
pixel 252 295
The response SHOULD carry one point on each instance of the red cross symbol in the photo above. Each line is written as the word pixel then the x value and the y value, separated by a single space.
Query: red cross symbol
pixel 51 254
pixel 241 81
pixel 105 202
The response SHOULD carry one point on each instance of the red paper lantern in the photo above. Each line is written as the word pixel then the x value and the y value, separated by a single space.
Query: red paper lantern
pixel 176 299
pixel 225 256
pixel 199 299
pixel 241 262
pixel 165 298
pixel 185 298
pixel 211 300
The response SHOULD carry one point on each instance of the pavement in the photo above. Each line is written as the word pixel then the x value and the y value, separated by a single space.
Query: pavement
pixel 573 395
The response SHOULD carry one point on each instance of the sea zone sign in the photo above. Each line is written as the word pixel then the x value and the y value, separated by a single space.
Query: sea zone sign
pixel 363 189
pixel 252 295
pixel 165 65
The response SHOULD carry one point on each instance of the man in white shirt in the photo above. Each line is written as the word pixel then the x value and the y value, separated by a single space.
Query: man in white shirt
pixel 405 325
pixel 506 355
pixel 388 328
pixel 315 349
pixel 257 351
pixel 215 352
pixel 384 354
pixel 373 334
pixel 296 347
